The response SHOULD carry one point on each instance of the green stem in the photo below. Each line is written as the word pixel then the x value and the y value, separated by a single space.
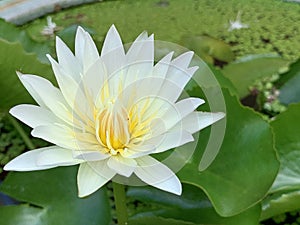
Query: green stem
pixel 120 201
pixel 22 133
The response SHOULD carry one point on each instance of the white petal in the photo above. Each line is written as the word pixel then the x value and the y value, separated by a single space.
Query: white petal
pixel 90 155
pixel 161 68
pixel 60 135
pixel 31 90
pixel 67 60
pixel 121 165
pixel 198 120
pixel 158 175
pixel 33 115
pixel 139 60
pixel 183 60
pixel 28 161
pixel 92 176
pixel 140 56
pixel 180 110
pixel 56 156
pixel 51 96
pixel 179 73
pixel 94 79
pixel 169 140
pixel 135 151
pixel 85 48
pixel 142 49
pixel 80 43
pixel 71 91
pixel 113 53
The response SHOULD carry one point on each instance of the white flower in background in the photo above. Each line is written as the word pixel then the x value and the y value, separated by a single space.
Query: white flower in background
pixel 50 28
pixel 237 23
pixel 111 112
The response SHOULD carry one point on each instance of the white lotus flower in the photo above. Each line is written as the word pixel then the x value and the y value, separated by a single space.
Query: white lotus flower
pixel 110 112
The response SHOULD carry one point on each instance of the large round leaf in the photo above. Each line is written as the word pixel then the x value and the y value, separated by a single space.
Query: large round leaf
pixel 246 157
pixel 247 70
pixel 280 203
pixel 287 140
pixel 208 48
pixel 191 207
pixel 12 59
pixel 285 195
pixel 50 197
pixel 290 82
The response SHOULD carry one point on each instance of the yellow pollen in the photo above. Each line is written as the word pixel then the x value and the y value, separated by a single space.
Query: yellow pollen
pixel 117 128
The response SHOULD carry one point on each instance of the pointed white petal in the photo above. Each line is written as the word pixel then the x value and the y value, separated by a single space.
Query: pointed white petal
pixel 158 175
pixel 113 53
pixel 198 120
pixel 28 161
pixel 50 96
pixel 91 54
pixel 31 90
pixel 67 60
pixel 33 115
pixel 60 135
pixel 179 74
pixel 121 165
pixel 135 151
pixel 183 60
pixel 56 156
pixel 90 155
pixel 139 59
pixel 92 176
pixel 112 41
pixel 85 49
pixel 161 68
pixel 94 80
pixel 141 50
pixel 169 140
pixel 79 43
pixel 71 91
pixel 180 110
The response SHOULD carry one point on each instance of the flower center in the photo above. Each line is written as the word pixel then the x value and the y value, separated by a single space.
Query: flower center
pixel 113 129
pixel 118 129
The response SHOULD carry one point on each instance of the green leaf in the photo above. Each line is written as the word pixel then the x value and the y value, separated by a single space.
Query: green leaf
pixel 246 156
pixel 287 141
pixel 21 214
pixel 12 59
pixel 192 206
pixel 208 48
pixel 144 219
pixel 246 71
pixel 11 33
pixel 290 82
pixel 280 203
pixel 284 194
pixel 50 197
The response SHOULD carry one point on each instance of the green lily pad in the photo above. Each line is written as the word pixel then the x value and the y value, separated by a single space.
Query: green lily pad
pixel 246 156
pixel 144 219
pixel 208 48
pixel 284 194
pixel 247 70
pixel 290 83
pixel 287 141
pixel 12 59
pixel 191 207
pixel 50 197
pixel 11 33
pixel 280 203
